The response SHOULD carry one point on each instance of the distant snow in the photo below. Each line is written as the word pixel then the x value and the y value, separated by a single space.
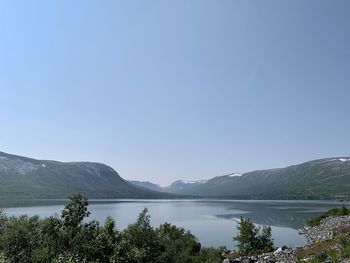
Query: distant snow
pixel 234 175
pixel 43 165
pixel 3 158
pixel 341 159
pixel 194 182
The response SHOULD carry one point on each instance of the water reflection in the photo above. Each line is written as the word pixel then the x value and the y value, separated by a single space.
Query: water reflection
pixel 293 214
pixel 214 222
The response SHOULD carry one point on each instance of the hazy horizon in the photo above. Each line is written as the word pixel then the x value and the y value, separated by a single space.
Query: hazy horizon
pixel 189 90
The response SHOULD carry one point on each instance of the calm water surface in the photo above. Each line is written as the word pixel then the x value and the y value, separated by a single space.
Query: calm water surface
pixel 212 221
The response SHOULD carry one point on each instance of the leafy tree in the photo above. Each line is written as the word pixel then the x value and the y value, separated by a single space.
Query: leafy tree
pixel 210 255
pixel 139 241
pixel 50 240
pixel 2 258
pixel 265 240
pixel 73 214
pixel 69 239
pixel 178 245
pixel 20 238
pixel 79 239
pixel 252 239
pixel 108 238
pixel 67 258
pixel 2 225
pixel 75 211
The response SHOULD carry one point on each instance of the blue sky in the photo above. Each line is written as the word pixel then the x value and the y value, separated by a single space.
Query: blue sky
pixel 166 90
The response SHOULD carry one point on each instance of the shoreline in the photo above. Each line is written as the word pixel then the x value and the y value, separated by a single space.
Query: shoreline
pixel 325 232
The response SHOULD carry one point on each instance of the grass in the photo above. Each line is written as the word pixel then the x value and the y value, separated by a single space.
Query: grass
pixel 319 252
pixel 334 250
pixel 342 211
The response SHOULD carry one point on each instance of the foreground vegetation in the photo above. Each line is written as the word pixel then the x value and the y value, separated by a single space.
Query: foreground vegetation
pixel 342 211
pixel 253 240
pixel 71 238
pixel 335 249
pixel 68 238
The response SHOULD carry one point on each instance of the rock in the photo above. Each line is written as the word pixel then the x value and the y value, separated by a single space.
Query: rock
pixel 278 250
pixel 325 229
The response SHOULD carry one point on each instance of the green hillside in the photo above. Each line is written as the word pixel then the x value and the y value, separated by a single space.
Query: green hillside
pixel 22 177
pixel 319 179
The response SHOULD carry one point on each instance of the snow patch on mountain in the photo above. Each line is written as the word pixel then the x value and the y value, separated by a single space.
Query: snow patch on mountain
pixel 234 175
pixel 194 182
pixel 341 159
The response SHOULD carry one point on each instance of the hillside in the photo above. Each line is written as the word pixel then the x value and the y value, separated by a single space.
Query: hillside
pixel 180 186
pixel 147 185
pixel 324 178
pixel 22 177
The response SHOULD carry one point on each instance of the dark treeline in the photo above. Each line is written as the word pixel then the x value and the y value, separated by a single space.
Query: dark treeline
pixel 68 238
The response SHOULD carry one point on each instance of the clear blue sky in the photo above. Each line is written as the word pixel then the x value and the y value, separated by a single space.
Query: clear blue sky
pixel 185 89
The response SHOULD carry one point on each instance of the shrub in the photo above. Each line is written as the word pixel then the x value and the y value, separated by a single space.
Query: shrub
pixel 2 258
pixel 71 239
pixel 20 238
pixel 342 211
pixel 253 240
pixel 140 240
pixel 210 255
pixel 178 245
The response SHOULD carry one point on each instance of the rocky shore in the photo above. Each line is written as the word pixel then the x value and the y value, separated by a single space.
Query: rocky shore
pixel 324 231
pixel 282 254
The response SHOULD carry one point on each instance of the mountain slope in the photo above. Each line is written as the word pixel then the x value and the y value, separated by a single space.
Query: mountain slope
pixel 147 185
pixel 324 178
pixel 22 177
pixel 182 186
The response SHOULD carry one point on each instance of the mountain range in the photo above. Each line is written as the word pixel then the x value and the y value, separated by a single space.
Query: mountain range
pixel 327 178
pixel 148 185
pixel 22 177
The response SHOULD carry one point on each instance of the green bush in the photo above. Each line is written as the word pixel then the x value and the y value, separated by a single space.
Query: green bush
pixel 177 245
pixel 20 238
pixel 210 255
pixel 69 238
pixel 2 258
pixel 253 240
pixel 341 211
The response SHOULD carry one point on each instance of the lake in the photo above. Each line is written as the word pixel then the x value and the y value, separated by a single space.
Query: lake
pixel 212 221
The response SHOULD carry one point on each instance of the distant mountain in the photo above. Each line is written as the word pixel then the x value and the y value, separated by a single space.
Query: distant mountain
pixel 318 179
pixel 147 185
pixel 182 186
pixel 22 177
